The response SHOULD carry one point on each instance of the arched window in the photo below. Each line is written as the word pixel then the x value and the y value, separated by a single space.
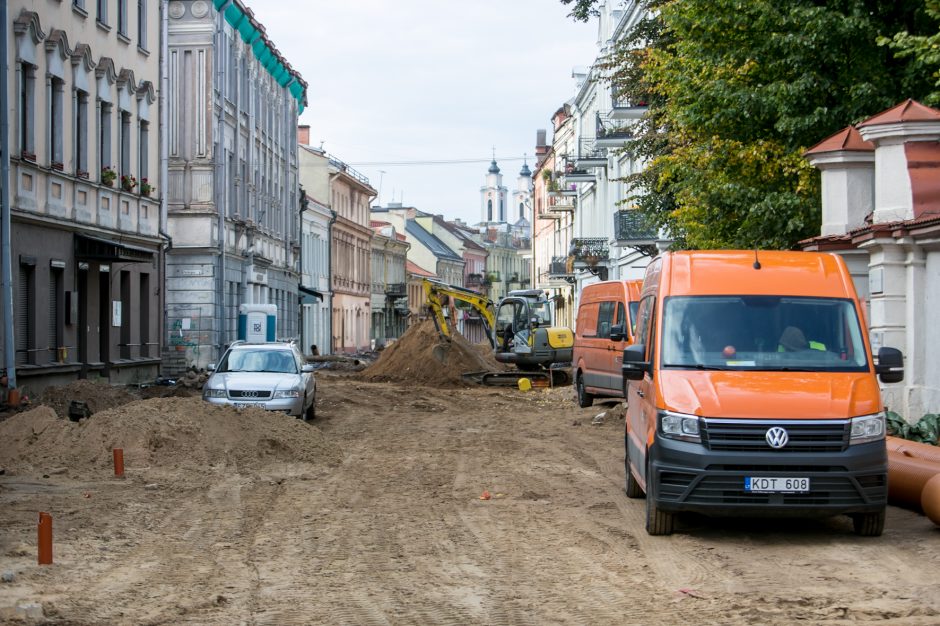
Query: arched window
pixel 489 210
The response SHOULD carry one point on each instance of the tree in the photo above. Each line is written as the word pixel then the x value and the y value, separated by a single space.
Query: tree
pixel 923 50
pixel 737 90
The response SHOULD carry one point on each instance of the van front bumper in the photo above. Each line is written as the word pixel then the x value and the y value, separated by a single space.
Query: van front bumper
pixel 688 477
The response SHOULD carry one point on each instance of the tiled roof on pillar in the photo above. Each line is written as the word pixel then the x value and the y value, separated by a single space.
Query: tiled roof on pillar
pixel 907 111
pixel 846 140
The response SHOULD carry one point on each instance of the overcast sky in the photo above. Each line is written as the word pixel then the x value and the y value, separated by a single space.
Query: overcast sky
pixel 430 80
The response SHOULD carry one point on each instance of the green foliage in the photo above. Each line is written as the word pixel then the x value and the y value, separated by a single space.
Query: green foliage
pixel 923 51
pixel 583 10
pixel 738 89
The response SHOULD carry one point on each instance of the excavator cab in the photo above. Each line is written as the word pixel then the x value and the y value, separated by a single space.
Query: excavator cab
pixel 526 336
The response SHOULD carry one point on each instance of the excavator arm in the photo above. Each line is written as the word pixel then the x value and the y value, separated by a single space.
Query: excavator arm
pixel 436 290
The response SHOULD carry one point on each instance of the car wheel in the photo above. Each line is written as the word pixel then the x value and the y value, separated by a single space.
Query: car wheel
pixel 658 522
pixel 869 524
pixel 632 486
pixel 585 399
pixel 311 413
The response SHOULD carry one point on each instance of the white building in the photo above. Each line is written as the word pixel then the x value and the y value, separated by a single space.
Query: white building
pixel 233 189
pixel 881 211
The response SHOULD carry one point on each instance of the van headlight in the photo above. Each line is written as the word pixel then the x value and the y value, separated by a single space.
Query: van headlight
pixel 679 426
pixel 213 393
pixel 287 393
pixel 867 428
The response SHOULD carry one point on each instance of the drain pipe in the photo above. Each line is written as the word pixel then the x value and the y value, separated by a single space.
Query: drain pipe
pixel 329 267
pixel 219 171
pixel 9 343
pixel 164 171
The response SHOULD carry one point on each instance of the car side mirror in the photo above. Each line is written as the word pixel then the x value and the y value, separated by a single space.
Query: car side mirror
pixel 617 332
pixel 890 367
pixel 306 369
pixel 211 367
pixel 634 363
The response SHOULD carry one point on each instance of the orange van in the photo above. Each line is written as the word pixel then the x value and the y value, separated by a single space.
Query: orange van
pixel 753 391
pixel 606 316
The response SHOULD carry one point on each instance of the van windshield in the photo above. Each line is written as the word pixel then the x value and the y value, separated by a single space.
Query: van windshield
pixel 768 333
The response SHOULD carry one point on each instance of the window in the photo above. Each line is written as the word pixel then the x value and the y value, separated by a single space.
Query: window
pixel 489 210
pixel 81 134
pixel 142 24
pixel 104 136
pixel 27 111
pixel 56 123
pixel 25 316
pixel 144 310
pixel 125 143
pixel 143 147
pixel 56 310
pixel 103 11
pixel 79 4
pixel 122 17
pixel 125 333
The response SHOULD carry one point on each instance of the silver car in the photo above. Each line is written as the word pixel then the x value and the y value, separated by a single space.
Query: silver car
pixel 273 376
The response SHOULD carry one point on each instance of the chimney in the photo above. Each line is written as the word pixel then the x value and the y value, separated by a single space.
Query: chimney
pixel 847 166
pixel 907 161
pixel 303 134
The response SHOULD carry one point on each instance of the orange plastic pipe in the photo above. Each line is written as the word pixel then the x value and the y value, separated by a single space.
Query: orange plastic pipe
pixel 45 539
pixel 906 478
pixel 119 462
pixel 914 449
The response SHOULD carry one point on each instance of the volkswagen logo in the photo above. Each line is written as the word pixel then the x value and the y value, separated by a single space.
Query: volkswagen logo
pixel 777 437
pixel 254 394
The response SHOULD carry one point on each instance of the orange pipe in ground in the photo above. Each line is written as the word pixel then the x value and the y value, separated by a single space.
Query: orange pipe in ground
pixel 914 449
pixel 907 477
pixel 119 462
pixel 45 539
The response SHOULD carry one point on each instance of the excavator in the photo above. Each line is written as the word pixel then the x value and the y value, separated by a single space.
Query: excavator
pixel 519 328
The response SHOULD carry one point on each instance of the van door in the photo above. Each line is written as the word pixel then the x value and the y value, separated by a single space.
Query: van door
pixel 613 378
pixel 641 399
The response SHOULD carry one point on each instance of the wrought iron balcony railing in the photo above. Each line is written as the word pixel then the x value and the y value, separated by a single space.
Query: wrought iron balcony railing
pixel 474 280
pixel 630 226
pixel 590 250
pixel 559 267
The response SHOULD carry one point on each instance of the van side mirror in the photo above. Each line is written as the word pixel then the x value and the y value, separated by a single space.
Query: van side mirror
pixel 890 368
pixel 210 367
pixel 617 332
pixel 634 365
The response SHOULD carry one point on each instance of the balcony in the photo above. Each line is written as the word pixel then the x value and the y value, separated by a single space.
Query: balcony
pixel 394 291
pixel 632 229
pixel 474 280
pixel 610 134
pixel 575 174
pixel 561 204
pixel 590 154
pixel 589 251
pixel 559 267
pixel 624 109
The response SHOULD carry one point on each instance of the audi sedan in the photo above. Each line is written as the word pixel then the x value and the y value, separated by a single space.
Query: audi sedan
pixel 273 376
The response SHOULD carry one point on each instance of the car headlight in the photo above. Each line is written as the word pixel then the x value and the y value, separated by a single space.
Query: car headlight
pixel 213 393
pixel 867 428
pixel 287 393
pixel 679 426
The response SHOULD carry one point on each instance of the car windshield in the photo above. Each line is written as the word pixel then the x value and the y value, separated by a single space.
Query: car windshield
pixel 769 333
pixel 258 360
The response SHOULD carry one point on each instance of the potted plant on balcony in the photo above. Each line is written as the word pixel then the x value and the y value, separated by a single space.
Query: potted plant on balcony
pixel 128 182
pixel 108 175
pixel 145 188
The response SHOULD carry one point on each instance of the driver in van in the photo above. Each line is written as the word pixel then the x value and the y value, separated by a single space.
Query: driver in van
pixel 794 340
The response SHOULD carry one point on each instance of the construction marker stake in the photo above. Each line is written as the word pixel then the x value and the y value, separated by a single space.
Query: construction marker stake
pixel 45 539
pixel 119 462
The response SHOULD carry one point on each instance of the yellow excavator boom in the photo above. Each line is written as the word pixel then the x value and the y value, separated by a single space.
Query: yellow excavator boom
pixel 434 290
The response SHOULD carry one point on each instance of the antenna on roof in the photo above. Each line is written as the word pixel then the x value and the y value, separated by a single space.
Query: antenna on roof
pixel 756 260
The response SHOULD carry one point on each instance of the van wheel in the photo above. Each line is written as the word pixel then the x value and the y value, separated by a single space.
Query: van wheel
pixel 632 488
pixel 585 399
pixel 869 524
pixel 657 522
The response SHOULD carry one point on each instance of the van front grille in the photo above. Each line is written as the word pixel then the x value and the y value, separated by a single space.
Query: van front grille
pixel 745 435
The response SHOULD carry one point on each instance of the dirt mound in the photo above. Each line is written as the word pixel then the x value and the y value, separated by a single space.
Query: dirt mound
pixel 98 396
pixel 160 435
pixel 421 356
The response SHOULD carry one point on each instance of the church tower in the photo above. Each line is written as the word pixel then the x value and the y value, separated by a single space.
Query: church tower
pixel 493 196
pixel 522 201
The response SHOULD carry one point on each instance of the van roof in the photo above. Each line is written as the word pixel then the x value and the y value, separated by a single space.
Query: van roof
pixel 722 272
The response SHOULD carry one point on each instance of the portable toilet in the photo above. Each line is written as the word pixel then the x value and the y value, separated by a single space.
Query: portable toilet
pixel 257 323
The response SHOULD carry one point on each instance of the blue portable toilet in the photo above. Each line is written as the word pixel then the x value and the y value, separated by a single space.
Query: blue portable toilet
pixel 257 323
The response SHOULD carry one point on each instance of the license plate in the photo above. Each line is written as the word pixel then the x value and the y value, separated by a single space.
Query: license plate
pixel 760 484
pixel 244 405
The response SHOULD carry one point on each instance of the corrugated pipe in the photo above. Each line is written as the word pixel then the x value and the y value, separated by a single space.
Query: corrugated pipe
pixel 907 476
pixel 914 449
